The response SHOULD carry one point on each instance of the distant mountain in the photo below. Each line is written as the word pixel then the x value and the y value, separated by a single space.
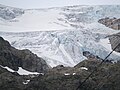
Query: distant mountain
pixel 72 17
pixel 14 58
pixel 8 13
pixel 63 33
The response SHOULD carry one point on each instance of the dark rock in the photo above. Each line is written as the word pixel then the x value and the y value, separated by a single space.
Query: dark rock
pixel 10 81
pixel 113 23
pixel 106 77
pixel 91 56
pixel 14 58
pixel 102 79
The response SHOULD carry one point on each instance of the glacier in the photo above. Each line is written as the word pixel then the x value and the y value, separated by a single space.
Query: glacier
pixel 61 47
pixel 61 35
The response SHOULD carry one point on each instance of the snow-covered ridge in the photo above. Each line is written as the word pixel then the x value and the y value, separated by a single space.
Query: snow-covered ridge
pixel 9 13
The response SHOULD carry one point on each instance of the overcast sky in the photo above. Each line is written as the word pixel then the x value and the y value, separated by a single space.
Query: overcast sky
pixel 55 3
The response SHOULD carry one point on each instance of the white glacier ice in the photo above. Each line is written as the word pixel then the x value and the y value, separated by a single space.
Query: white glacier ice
pixel 60 35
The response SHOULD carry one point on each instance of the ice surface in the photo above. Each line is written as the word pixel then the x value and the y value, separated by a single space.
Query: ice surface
pixel 63 33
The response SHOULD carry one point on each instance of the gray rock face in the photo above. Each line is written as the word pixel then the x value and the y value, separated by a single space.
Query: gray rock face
pixel 14 58
pixel 115 40
pixel 113 23
pixel 106 77
pixel 9 81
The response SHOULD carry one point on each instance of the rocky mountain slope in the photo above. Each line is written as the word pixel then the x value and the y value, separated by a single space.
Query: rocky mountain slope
pixel 72 34
pixel 14 58
pixel 106 77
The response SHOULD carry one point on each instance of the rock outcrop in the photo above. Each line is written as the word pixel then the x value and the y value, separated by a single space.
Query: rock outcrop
pixel 14 58
pixel 113 23
pixel 114 41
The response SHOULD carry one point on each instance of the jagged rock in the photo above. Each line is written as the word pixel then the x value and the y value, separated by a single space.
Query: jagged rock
pixel 14 58
pixel 113 23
